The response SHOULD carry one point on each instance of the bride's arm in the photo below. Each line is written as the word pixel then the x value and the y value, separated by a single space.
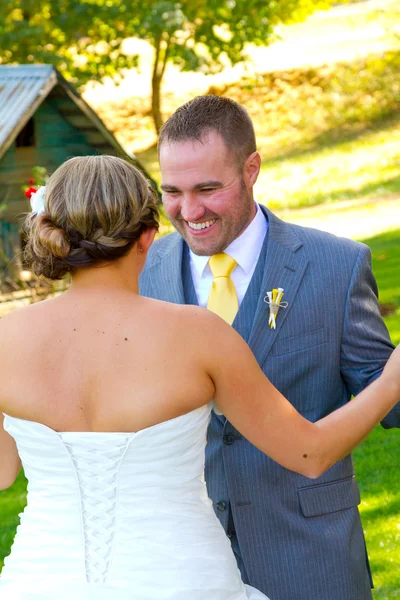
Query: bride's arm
pixel 264 416
pixel 10 463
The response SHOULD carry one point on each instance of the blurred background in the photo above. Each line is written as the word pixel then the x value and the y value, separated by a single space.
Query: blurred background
pixel 321 81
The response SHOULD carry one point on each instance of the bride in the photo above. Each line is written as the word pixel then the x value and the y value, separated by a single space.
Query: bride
pixel 106 397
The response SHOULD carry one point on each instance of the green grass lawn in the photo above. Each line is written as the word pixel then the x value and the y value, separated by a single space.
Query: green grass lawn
pixel 12 502
pixel 377 469
pixel 386 264
pixel 365 166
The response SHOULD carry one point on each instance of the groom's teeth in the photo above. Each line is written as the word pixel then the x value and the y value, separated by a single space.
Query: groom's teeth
pixel 199 226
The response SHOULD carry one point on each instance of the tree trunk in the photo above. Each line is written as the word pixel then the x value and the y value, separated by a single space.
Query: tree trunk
pixel 160 62
pixel 156 103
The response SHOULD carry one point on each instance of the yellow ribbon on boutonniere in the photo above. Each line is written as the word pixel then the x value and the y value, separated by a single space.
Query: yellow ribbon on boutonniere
pixel 274 301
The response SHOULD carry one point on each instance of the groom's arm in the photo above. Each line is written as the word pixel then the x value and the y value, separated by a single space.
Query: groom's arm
pixel 366 344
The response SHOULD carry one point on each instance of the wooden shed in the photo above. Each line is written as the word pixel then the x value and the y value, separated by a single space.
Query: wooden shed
pixel 43 122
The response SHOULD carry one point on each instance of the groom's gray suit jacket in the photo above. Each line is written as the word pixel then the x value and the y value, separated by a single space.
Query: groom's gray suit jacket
pixel 298 539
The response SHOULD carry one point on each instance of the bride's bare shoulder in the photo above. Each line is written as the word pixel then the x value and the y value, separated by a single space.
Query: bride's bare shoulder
pixel 30 311
pixel 189 321
pixel 12 327
pixel 180 312
pixel 13 318
pixel 23 322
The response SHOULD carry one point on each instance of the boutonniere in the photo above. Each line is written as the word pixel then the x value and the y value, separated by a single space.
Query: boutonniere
pixel 274 301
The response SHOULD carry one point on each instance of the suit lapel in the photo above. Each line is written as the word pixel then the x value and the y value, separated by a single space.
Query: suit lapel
pixel 187 280
pixel 285 268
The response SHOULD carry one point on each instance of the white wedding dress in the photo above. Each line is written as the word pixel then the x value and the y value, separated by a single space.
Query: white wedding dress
pixel 119 516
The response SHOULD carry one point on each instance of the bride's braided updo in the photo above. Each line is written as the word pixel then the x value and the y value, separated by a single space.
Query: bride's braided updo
pixel 96 209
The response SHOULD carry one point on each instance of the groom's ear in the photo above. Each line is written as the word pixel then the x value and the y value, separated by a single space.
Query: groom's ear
pixel 146 239
pixel 251 169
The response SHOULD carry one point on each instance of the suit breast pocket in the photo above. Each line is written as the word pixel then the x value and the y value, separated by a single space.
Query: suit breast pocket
pixel 325 498
pixel 302 341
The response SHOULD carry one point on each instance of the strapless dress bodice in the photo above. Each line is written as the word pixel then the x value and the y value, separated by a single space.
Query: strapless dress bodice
pixel 119 516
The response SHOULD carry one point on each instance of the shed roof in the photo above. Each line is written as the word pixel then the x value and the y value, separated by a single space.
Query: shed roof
pixel 24 87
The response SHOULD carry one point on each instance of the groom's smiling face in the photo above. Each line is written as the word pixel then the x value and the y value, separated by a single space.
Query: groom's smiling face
pixel 206 194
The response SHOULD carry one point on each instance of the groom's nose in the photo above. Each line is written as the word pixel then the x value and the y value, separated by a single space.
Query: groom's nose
pixel 191 208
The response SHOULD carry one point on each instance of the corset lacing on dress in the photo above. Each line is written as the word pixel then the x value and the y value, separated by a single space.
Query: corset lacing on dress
pixel 97 473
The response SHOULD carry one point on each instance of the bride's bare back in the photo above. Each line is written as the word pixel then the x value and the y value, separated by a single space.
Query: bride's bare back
pixel 93 361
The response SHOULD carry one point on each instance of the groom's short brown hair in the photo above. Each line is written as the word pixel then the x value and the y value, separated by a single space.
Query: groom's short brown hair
pixel 203 114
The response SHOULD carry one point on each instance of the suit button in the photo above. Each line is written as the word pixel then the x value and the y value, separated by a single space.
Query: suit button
pixel 221 505
pixel 228 439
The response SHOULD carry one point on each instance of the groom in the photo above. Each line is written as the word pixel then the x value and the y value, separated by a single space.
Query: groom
pixel 294 538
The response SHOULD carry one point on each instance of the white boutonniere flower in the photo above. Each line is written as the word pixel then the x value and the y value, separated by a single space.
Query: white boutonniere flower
pixel 274 301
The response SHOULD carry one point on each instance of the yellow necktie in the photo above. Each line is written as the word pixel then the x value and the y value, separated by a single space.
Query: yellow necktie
pixel 223 298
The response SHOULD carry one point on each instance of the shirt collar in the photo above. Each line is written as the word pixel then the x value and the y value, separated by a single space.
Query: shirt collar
pixel 245 249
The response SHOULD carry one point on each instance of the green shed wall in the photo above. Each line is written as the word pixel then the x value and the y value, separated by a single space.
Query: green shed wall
pixel 56 141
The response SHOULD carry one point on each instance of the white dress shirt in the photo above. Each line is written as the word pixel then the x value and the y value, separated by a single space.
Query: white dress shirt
pixel 245 249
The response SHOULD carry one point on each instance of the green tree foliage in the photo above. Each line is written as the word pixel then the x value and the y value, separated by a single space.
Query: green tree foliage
pixel 84 38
